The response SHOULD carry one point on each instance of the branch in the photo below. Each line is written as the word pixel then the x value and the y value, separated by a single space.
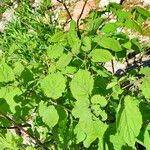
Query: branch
pixel 65 6
pixel 78 30
pixel 23 130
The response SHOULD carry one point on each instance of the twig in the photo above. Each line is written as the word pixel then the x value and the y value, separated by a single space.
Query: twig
pixel 78 29
pixel 121 2
pixel 65 6
pixel 23 130
pixel 58 105
pixel 113 68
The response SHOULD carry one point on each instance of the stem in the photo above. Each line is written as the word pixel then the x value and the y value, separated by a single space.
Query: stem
pixel 23 130
pixel 78 29
pixel 65 6
pixel 113 68
pixel 58 105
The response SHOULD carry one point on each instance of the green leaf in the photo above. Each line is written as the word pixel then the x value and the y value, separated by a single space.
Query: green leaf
pixel 86 41
pixel 136 45
pixel 85 129
pixel 55 51
pixel 6 73
pixel 98 99
pixel 123 15
pixel 109 27
pixel 110 43
pixel 147 137
pixel 129 121
pixel 53 85
pixel 88 127
pixel 133 25
pixel 73 25
pixel 82 85
pixel 142 11
pixel 94 24
pixel 145 71
pixel 49 114
pixel 9 141
pixel 101 55
pixel 144 87
pixel 8 103
pixel 117 141
pixel 81 106
pixel 74 41
pixel 127 45
pixel 63 61
pixel 18 68
pixel 57 37
pixel 112 84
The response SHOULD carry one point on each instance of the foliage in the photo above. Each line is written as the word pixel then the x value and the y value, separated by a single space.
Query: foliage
pixel 55 82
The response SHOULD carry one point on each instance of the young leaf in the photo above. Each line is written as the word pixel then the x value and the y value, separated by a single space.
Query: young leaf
pixel 49 114
pixel 82 85
pixel 129 121
pixel 53 85
pixel 101 55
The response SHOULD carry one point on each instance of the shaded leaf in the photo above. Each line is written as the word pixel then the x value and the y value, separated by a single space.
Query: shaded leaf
pixel 49 114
